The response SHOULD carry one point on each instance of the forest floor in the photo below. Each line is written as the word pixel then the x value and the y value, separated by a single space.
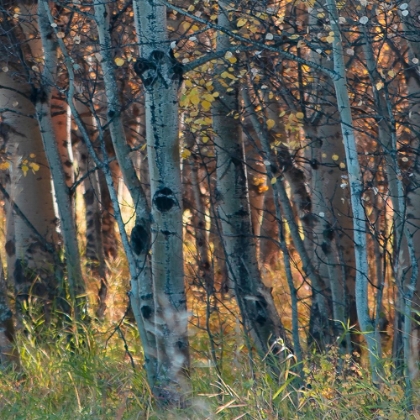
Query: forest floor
pixel 96 373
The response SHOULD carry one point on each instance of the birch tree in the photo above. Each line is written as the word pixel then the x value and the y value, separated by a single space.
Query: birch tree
pixel 254 300
pixel 356 188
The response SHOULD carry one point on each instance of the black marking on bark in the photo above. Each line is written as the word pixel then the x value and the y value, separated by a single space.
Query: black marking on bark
pixel 19 272
pixel 38 95
pixel 314 164
pixel 181 344
pixel 242 213
pixel 326 248
pixel 218 195
pixel 140 239
pixel 146 312
pixel 10 247
pixel 261 312
pixel 328 233
pixel 164 199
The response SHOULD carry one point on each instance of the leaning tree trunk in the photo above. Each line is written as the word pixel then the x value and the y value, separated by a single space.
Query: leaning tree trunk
pixel 333 221
pixel 356 188
pixel 43 95
pixel 255 302
pixel 284 214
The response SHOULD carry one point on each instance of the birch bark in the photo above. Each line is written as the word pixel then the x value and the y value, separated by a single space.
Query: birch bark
pixel 356 188
pixel 255 302
pixel 43 96
pixel 171 385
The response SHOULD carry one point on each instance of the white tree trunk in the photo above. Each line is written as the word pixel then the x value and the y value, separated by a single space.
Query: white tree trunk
pixel 44 116
pixel 356 188
pixel 161 102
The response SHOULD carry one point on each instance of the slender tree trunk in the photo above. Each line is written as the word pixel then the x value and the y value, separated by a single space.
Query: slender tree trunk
pixel 356 188
pixel 333 223
pixel 203 273
pixel 95 254
pixel 321 329
pixel 62 192
pixel 255 302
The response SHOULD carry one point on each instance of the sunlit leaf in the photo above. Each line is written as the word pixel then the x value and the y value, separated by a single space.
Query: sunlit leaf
pixel 185 154
pixel 195 99
pixel 206 105
pixel 270 124
pixel 34 166
pixel 241 22
pixel 4 166
pixel 119 61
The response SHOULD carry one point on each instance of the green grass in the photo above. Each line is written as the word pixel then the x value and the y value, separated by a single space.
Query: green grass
pixel 90 376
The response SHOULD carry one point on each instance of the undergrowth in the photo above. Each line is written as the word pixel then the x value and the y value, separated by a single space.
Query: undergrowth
pixel 95 372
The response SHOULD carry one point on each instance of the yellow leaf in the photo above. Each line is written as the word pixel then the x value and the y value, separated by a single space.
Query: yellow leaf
pixel 282 114
pixel 270 124
pixel 195 99
pixel 119 61
pixel 4 166
pixel 299 115
pixel 213 17
pixel 335 157
pixel 32 155
pixel 24 169
pixel 232 60
pixel 34 166
pixel 379 85
pixel 241 22
pixel 273 181
pixel 205 139
pixel 188 83
pixel 330 39
pixel 206 105
pixel 391 73
pixel 185 154
pixel 208 97
pixel 342 165
pixel 262 189
pixel 294 36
